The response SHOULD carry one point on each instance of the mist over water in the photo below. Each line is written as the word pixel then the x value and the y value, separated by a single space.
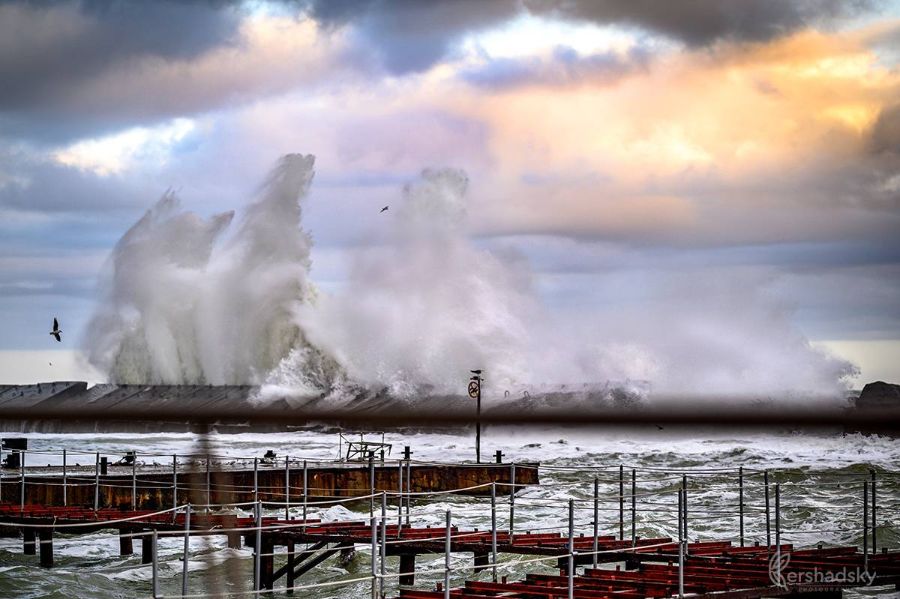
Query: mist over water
pixel 228 300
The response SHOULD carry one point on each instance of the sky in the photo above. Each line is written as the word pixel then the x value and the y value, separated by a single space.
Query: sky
pixel 619 147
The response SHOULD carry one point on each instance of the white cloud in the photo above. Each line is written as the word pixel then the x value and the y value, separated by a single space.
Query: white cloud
pixel 113 154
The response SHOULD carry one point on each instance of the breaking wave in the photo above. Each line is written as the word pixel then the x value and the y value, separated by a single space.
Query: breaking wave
pixel 228 300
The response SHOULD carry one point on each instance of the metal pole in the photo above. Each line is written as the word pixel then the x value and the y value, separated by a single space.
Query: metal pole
pixel 621 502
pixel 374 559
pixel 382 556
pixel 65 481
pixel 866 524
pixel 778 528
pixel 174 480
pixel 685 518
pixel 494 530
pixel 257 547
pixel 478 424
pixel 874 508
pixel 256 479
pixel 134 483
pixel 187 549
pixel 154 551
pixel 680 544
pixel 596 520
pixel 741 501
pixel 512 500
pixel 22 486
pixel 447 560
pixel 287 487
pixel 408 488
pixel 372 485
pixel 400 497
pixel 208 485
pixel 633 507
pixel 305 490
pixel 96 481
pixel 768 517
pixel 571 569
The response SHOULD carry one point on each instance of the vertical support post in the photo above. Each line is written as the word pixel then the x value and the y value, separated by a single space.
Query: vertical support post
pixel 208 484
pixel 478 422
pixel 768 517
pixel 65 475
pixel 28 542
pixel 512 500
pixel 741 502
pixel 96 481
pixel 680 544
pixel 22 476
pixel 383 551
pixel 494 531
pixel 134 483
pixel 287 487
pixel 187 549
pixel 45 538
pixel 257 547
pixel 374 526
pixel 447 559
pixel 305 490
pixel 154 551
pixel 571 569
pixel 256 480
pixel 633 507
pixel 399 497
pixel 874 508
pixel 408 488
pixel 372 485
pixel 174 482
pixel 865 525
pixel 685 517
pixel 778 528
pixel 596 520
pixel 291 563
pixel 621 502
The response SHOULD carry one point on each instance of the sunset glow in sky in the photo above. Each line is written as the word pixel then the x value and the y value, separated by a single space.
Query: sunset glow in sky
pixel 621 148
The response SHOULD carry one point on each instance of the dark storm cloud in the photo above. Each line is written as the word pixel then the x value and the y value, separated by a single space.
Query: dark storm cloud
pixel 46 48
pixel 702 22
pixel 49 50
pixel 410 35
pixel 565 67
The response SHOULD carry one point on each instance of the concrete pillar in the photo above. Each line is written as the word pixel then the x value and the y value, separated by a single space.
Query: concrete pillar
pixel 28 541
pixel 126 546
pixel 407 568
pixel 46 537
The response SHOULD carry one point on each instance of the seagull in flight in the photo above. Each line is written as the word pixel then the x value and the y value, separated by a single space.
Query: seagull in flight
pixel 383 209
pixel 56 330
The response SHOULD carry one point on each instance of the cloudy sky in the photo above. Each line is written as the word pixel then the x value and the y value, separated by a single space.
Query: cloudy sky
pixel 617 145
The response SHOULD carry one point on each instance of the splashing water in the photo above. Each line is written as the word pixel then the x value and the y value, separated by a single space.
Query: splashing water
pixel 184 303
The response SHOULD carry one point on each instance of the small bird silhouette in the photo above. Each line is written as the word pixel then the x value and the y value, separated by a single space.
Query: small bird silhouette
pixel 56 330
pixel 384 209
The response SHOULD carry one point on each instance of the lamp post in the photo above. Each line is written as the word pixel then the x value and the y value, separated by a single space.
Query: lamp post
pixel 475 393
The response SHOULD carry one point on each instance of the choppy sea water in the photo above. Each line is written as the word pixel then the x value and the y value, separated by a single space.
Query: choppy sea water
pixel 820 477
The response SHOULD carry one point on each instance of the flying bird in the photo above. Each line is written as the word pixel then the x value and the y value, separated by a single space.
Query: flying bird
pixel 383 209
pixel 56 330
